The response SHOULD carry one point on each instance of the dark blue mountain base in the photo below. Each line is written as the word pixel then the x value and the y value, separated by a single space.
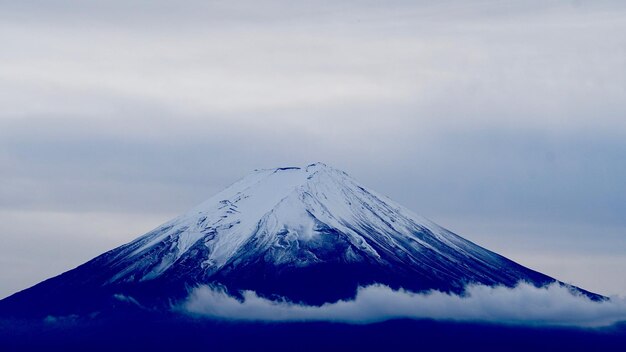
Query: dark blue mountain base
pixel 167 333
pixel 80 292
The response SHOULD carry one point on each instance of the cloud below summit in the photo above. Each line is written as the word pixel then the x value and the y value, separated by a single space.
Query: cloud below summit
pixel 525 304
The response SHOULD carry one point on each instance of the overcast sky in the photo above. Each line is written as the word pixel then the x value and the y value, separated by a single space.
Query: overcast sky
pixel 504 121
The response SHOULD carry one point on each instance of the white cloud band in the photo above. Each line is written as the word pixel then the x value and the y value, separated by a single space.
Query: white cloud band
pixel 524 304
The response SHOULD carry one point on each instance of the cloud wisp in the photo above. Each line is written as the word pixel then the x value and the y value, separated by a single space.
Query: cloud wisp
pixel 524 304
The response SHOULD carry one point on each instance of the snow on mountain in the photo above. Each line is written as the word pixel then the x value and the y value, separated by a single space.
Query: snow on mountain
pixel 284 209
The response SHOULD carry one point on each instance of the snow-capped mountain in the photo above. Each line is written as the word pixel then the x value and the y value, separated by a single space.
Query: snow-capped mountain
pixel 310 234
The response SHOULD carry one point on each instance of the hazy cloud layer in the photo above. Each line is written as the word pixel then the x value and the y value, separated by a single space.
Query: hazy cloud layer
pixel 524 304
pixel 503 120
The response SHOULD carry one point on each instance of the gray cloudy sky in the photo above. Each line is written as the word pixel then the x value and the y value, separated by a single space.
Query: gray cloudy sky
pixel 504 121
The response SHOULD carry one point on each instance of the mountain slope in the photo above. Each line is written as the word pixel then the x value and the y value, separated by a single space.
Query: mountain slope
pixel 309 234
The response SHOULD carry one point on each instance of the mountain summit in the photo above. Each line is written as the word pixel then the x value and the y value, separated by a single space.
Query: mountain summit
pixel 307 234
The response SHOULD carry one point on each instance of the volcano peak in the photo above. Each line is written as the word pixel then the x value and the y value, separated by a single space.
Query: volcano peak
pixel 311 234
